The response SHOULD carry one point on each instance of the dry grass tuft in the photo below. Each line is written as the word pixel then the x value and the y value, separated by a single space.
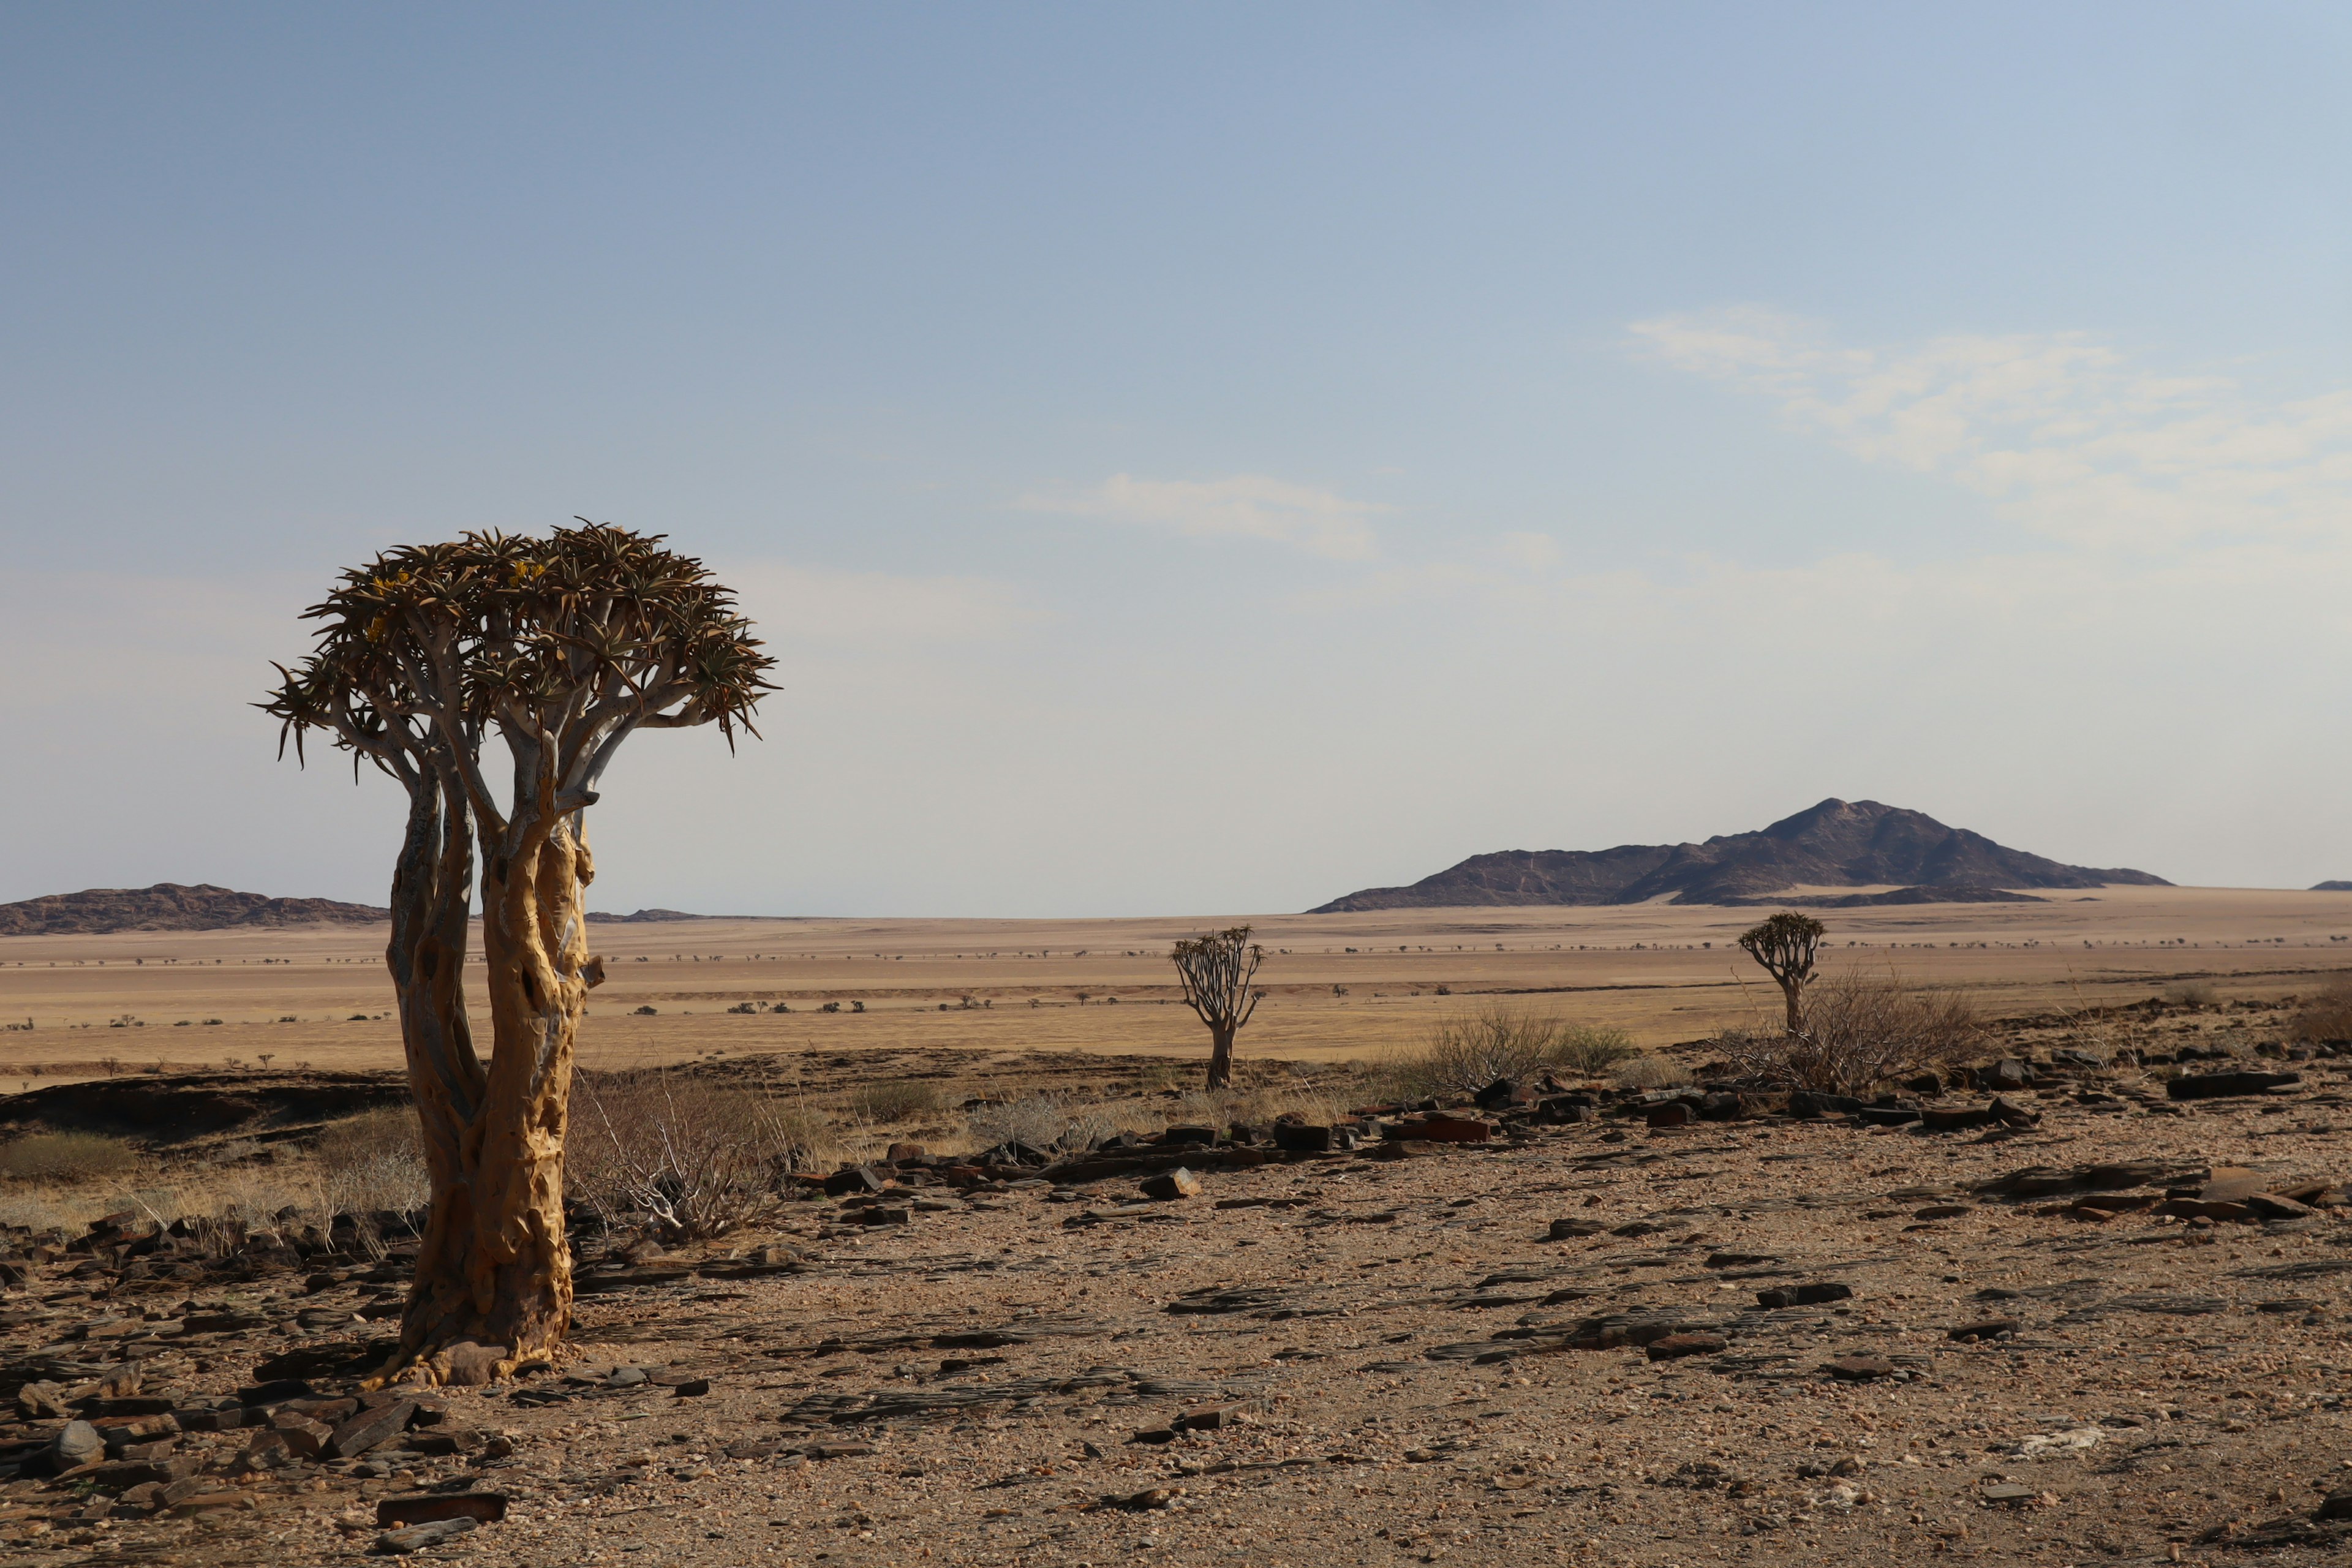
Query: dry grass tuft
pixel 897 1099
pixel 373 1163
pixel 2328 1015
pixel 1861 1032
pixel 1464 1052
pixel 1048 1121
pixel 1651 1072
pixel 71 1158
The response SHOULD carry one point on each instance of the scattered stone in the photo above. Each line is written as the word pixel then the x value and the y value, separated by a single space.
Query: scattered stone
pixel 369 1428
pixel 427 1508
pixel 1570 1230
pixel 1859 1368
pixel 1984 1329
pixel 1179 1182
pixel 77 1444
pixel 41 1402
pixel 1674 1347
pixel 417 1536
pixel 1812 1295
pixel 2216 1085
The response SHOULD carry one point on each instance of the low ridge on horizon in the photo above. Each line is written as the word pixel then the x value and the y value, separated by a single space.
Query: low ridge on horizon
pixel 1835 844
pixel 173 905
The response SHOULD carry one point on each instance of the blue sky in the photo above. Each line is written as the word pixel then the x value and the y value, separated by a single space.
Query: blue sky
pixel 1206 458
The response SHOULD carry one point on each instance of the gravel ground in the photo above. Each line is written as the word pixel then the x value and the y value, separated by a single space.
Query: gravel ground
pixel 1367 1361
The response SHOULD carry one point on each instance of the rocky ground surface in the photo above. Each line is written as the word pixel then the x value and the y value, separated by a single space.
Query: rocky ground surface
pixel 2107 1325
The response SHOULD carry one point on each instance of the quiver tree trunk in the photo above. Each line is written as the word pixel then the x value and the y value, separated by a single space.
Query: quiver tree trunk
pixel 494 1275
pixel 1221 1058
pixel 1793 992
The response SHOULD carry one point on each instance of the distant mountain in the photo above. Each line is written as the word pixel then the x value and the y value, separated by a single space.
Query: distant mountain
pixel 2332 887
pixel 646 915
pixel 169 906
pixel 1836 843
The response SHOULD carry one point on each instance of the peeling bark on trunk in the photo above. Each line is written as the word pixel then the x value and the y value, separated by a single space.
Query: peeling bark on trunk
pixel 1793 992
pixel 494 1275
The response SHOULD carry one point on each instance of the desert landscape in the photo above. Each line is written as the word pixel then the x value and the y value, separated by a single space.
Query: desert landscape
pixel 1036 1297
pixel 1664 973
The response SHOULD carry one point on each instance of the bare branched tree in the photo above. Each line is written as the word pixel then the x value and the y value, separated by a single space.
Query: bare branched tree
pixel 1216 968
pixel 559 650
pixel 1786 946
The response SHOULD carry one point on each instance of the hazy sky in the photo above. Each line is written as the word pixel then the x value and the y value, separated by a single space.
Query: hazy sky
pixel 1205 458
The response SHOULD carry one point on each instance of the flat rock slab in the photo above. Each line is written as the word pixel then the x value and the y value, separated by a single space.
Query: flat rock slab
pixel 431 1508
pixel 417 1536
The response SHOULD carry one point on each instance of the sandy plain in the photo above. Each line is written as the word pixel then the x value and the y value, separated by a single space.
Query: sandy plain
pixel 1338 987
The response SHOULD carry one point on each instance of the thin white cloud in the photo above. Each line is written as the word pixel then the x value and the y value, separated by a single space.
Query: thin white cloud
pixel 1245 506
pixel 2062 432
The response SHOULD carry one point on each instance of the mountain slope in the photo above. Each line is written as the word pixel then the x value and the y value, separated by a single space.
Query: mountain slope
pixel 1835 844
pixel 170 906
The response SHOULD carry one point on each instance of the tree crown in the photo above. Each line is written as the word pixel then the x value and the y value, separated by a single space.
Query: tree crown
pixel 562 646
pixel 1785 945
pixel 1216 968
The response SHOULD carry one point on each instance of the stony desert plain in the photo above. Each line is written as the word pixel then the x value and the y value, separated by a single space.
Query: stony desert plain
pixel 2103 1322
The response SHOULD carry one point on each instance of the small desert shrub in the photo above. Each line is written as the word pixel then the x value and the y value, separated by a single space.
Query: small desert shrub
pixel 896 1100
pixel 688 1158
pixel 1465 1052
pixel 68 1157
pixel 2327 1016
pixel 374 1162
pixel 1651 1072
pixel 2192 993
pixel 1041 1121
pixel 1860 1032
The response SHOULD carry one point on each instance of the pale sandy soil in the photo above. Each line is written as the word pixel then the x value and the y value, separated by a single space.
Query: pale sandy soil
pixel 1666 974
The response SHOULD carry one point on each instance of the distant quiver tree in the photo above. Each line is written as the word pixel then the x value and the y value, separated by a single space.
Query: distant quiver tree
pixel 1786 945
pixel 1216 969
pixel 494 679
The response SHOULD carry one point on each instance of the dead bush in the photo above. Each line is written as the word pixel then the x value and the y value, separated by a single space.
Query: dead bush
pixel 67 1157
pixel 2192 993
pixel 373 1162
pixel 2327 1016
pixel 1048 1121
pixel 1464 1052
pixel 684 1157
pixel 896 1100
pixel 1860 1031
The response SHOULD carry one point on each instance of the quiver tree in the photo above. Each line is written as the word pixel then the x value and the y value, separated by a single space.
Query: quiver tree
pixel 557 650
pixel 1786 946
pixel 1216 969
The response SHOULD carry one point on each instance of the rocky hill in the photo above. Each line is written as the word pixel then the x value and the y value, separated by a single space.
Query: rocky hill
pixel 1838 843
pixel 170 906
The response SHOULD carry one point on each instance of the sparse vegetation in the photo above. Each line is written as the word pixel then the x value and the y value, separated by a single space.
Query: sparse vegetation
pixel 2192 993
pixel 896 1100
pixel 1651 1071
pixel 686 1158
pixel 374 1162
pixel 1466 1051
pixel 1049 1122
pixel 70 1157
pixel 1860 1031
pixel 2328 1015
